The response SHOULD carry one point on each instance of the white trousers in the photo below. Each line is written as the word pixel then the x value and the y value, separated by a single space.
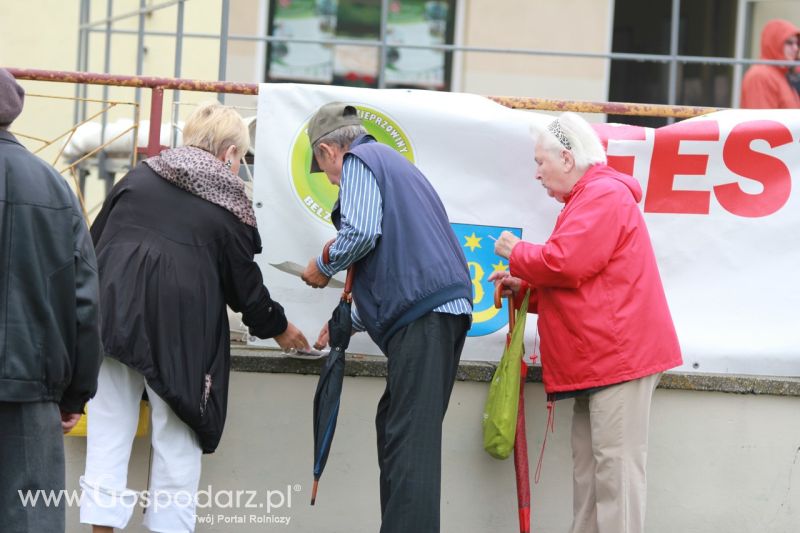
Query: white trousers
pixel 175 469
pixel 609 453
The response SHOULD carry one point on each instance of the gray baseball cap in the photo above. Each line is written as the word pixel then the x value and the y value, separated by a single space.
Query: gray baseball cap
pixel 328 118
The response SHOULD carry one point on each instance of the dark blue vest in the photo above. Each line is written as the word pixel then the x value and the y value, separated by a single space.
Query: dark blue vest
pixel 417 263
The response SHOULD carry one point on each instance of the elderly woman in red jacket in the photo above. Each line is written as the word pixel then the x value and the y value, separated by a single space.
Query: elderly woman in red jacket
pixel 606 331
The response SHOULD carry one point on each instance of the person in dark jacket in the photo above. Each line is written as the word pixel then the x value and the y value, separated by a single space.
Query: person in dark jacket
pixel 412 294
pixel 175 243
pixel 49 333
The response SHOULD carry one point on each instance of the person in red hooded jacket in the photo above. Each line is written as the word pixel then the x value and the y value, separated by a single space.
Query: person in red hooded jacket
pixel 605 328
pixel 768 86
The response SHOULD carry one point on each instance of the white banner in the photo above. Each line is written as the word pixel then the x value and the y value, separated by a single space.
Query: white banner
pixel 718 202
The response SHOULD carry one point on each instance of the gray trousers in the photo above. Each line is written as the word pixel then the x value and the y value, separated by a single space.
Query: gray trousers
pixel 31 459
pixel 422 363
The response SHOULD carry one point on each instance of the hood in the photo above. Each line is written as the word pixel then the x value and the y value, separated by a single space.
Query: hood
pixel 773 36
pixel 597 172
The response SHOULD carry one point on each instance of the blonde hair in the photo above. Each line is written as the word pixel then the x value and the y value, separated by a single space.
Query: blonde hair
pixel 215 127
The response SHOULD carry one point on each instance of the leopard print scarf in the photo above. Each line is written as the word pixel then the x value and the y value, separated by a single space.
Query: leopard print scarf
pixel 196 171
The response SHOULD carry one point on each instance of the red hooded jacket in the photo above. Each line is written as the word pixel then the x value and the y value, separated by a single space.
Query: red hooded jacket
pixel 603 315
pixel 766 86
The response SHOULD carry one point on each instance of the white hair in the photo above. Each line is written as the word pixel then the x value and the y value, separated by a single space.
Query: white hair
pixel 571 132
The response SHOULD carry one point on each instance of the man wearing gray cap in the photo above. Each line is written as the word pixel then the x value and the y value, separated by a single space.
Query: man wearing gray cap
pixel 49 336
pixel 412 294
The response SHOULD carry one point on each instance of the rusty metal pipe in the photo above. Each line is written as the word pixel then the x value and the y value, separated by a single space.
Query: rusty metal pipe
pixel 610 108
pixel 156 109
pixel 514 102
pixel 94 78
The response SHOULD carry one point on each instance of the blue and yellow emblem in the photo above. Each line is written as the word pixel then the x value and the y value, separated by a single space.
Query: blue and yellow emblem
pixel 478 245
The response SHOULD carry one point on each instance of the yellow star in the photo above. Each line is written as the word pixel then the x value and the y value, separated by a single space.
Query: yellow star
pixel 473 241
pixel 500 266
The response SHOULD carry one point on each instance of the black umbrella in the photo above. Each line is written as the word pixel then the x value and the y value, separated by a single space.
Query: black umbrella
pixel 329 387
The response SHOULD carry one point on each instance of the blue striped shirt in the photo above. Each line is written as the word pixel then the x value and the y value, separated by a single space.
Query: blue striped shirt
pixel 361 209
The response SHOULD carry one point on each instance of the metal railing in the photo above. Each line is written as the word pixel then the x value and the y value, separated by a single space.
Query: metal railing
pixel 672 59
pixel 157 86
pixel 72 167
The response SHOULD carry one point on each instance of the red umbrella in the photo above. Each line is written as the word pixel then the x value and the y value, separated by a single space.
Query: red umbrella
pixel 520 439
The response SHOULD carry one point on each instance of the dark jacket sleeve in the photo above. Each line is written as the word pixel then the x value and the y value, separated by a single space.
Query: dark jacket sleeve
pixel 244 286
pixel 88 352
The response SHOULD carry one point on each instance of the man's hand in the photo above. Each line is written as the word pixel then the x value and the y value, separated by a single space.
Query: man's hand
pixel 313 277
pixel 292 339
pixel 322 340
pixel 68 421
pixel 511 285
pixel 505 244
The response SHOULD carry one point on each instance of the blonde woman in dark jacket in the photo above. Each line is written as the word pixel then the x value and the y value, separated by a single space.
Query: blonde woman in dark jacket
pixel 175 243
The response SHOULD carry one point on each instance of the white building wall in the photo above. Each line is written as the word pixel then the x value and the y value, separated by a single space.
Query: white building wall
pixel 566 26
pixel 718 463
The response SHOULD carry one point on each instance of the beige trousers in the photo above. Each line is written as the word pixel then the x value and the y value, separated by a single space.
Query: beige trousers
pixel 609 453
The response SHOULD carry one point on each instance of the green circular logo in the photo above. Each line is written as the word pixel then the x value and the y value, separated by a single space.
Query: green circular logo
pixel 314 191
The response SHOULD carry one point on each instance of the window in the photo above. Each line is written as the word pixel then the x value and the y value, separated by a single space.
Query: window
pixel 706 28
pixel 409 22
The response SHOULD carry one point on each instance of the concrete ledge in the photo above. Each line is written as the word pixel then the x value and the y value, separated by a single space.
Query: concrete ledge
pixel 267 360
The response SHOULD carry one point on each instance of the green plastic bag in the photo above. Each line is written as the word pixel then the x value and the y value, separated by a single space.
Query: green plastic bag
pixel 500 412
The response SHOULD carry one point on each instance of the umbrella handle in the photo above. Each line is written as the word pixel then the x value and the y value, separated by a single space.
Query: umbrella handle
pixel 326 251
pixel 498 303
pixel 348 282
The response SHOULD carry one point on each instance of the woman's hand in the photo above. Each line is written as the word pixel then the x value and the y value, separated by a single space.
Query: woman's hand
pixel 511 285
pixel 505 244
pixel 292 339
